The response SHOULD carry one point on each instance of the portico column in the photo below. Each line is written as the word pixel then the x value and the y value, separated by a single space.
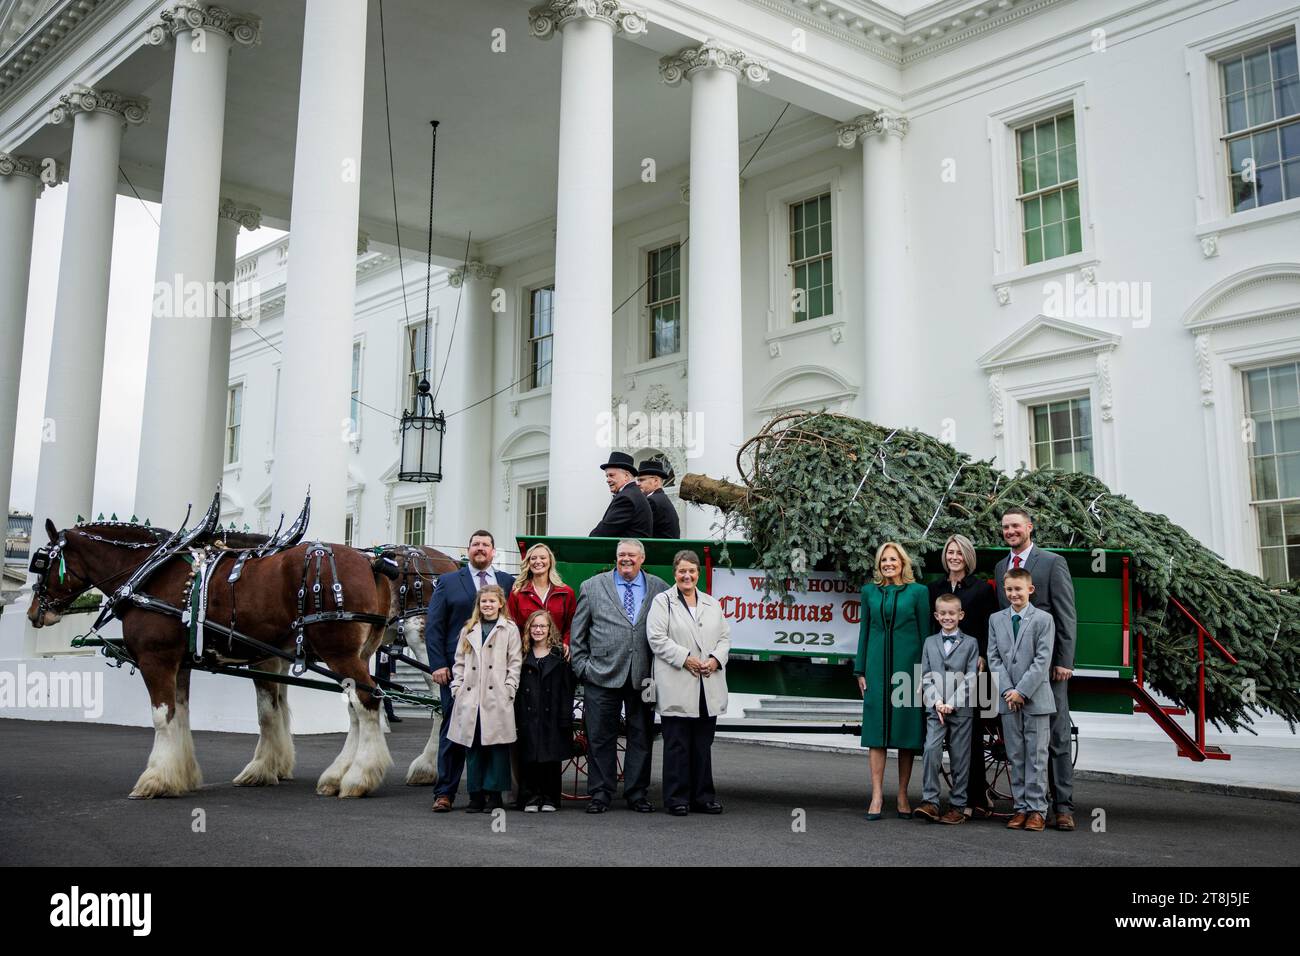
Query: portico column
pixel 890 368
pixel 184 305
pixel 715 374
pixel 582 341
pixel 230 216
pixel 461 501
pixel 20 185
pixel 313 425
pixel 65 481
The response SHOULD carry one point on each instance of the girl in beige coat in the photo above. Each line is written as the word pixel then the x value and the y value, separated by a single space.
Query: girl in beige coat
pixel 690 640
pixel 484 680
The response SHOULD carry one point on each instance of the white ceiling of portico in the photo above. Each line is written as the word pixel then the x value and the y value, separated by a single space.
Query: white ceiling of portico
pixel 498 111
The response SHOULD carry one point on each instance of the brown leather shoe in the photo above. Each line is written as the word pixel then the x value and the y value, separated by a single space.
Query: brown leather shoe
pixel 442 804
pixel 1065 821
pixel 1034 821
pixel 953 816
pixel 1017 822
pixel 927 811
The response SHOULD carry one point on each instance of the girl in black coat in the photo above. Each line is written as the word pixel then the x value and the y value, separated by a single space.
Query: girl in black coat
pixel 544 712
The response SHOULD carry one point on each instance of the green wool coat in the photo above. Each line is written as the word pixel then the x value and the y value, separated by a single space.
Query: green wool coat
pixel 895 621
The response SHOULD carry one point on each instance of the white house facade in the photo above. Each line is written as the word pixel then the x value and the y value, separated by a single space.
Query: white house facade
pixel 1051 231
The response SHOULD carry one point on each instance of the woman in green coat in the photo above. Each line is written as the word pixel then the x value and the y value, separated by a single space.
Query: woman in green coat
pixel 895 615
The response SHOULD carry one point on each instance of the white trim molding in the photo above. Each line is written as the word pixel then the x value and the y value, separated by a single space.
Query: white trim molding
pixel 780 320
pixel 823 388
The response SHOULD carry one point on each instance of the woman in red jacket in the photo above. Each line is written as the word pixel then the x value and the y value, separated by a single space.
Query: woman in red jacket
pixel 540 589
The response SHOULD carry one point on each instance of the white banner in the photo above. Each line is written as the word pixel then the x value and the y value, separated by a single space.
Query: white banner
pixel 821 621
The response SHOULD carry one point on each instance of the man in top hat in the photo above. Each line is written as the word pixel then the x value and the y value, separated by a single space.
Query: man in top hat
pixel 651 477
pixel 628 515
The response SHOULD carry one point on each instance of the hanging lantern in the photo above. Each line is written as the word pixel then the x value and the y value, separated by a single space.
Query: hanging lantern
pixel 422 427
pixel 422 431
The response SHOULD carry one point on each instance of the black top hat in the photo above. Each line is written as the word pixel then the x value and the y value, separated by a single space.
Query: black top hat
pixel 619 459
pixel 652 467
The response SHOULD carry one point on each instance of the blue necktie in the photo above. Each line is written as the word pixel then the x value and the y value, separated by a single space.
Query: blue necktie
pixel 627 603
pixel 1015 625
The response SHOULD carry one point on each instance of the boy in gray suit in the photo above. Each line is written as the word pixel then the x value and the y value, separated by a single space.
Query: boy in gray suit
pixel 949 661
pixel 1021 639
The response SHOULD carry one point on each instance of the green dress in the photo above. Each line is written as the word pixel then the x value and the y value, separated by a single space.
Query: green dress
pixel 895 621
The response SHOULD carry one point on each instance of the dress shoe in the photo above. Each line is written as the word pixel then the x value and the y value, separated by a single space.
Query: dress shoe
pixel 713 807
pixel 873 817
pixel 678 811
pixel 981 813
pixel 442 804
pixel 953 816
pixel 597 807
pixel 1065 821
pixel 926 811
pixel 494 802
pixel 641 806
pixel 1017 821
pixel 1034 821
pixel 476 806
pixel 394 719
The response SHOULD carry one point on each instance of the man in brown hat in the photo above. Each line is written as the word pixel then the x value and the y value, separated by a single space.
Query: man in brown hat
pixel 628 515
pixel 651 477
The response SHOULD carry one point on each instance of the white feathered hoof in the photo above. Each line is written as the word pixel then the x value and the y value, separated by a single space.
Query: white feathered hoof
pixel 327 785
pixel 154 783
pixel 257 774
pixel 423 771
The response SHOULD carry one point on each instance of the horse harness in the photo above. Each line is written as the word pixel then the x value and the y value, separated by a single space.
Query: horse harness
pixel 413 568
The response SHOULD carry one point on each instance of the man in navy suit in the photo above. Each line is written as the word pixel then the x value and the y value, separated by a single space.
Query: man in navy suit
pixel 451 607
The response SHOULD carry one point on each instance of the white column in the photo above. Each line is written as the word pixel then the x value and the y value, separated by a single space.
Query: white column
pixel 890 368
pixel 20 185
pixel 65 479
pixel 462 500
pixel 175 391
pixel 583 341
pixel 715 374
pixel 230 216
pixel 312 429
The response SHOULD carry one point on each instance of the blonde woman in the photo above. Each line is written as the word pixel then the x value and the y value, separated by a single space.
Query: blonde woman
pixel 485 677
pixel 540 588
pixel 895 619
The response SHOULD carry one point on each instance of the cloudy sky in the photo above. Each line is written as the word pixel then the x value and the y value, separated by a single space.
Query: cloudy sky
pixel 135 244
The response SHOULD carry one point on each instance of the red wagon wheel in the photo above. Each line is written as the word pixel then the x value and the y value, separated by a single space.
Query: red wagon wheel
pixel 574 774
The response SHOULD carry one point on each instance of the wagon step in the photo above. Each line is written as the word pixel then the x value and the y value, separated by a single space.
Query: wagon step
pixel 1122 686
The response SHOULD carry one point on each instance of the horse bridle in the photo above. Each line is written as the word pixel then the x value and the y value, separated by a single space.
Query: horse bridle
pixel 44 559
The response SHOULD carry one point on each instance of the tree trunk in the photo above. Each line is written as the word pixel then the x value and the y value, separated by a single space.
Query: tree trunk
pixel 704 490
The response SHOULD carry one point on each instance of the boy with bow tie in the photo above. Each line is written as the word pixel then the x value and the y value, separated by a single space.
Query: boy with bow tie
pixel 949 663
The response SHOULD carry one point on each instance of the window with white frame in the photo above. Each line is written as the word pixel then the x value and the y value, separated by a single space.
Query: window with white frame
pixel 234 421
pixel 1272 402
pixel 354 406
pixel 1060 434
pixel 538 354
pixel 347 530
pixel 418 361
pixel 413 525
pixel 811 256
pixel 664 299
pixel 1047 173
pixel 535 509
pixel 1259 93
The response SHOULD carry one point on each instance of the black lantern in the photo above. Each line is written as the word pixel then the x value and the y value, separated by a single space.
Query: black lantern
pixel 422 431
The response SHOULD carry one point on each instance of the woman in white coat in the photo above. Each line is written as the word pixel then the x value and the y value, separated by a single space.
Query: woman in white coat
pixel 690 639
pixel 485 677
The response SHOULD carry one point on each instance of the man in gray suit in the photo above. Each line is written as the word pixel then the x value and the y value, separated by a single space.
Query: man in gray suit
pixel 1020 653
pixel 1053 593
pixel 611 656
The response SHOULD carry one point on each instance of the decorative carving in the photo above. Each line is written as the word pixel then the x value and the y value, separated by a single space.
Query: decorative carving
pixel 247 215
pixel 514 409
pixel 551 17
pixel 996 400
pixel 837 335
pixel 240 28
pixel 85 99
pixel 774 349
pixel 685 188
pixel 388 508
pixel 475 269
pixel 879 123
pixel 1103 382
pixel 20 166
pixel 1089 275
pixel 711 55
pixel 363 242
pixel 1210 246
pixel 1205 369
pixel 1004 294
pixel 657 399
pixel 507 484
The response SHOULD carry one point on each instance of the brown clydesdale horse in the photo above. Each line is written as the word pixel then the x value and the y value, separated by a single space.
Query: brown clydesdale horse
pixel 417 572
pixel 262 604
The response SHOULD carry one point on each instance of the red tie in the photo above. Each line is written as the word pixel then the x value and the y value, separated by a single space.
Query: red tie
pixel 1015 560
